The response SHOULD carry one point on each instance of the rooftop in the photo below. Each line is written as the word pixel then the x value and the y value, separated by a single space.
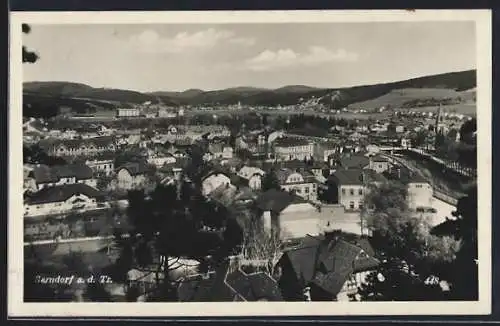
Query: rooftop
pixel 290 142
pixel 62 193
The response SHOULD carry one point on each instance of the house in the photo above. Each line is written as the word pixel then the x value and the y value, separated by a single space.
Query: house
pixel 325 268
pixel 101 166
pixel 287 213
pixel 351 186
pixel 160 160
pixel 61 199
pixel 322 151
pixel 378 163
pixel 303 183
pixel 354 161
pixel 228 284
pixel 420 191
pixel 128 112
pixel 171 172
pixel 45 176
pixel 252 175
pixel 78 147
pixel 213 180
pixel 131 175
pixel 291 148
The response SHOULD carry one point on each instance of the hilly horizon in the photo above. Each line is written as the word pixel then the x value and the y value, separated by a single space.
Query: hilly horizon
pixel 450 83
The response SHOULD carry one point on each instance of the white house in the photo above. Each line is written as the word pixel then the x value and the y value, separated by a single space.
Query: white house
pixel 420 192
pixel 288 213
pixel 253 175
pixel 105 167
pixel 303 183
pixel 61 199
pixel 161 160
pixel 213 181
pixel 131 175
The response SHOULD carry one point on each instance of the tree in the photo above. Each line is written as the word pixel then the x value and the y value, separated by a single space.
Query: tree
pixel 464 229
pixel 28 56
pixel 163 234
pixel 261 245
pixel 270 181
pixel 409 252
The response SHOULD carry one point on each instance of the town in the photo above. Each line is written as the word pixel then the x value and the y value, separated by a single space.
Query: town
pixel 245 206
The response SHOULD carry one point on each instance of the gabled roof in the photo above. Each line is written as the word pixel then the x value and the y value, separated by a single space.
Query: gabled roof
pixel 290 142
pixel 135 168
pixel 46 174
pixel 328 263
pixel 255 286
pixel 357 177
pixel 222 285
pixel 354 161
pixel 274 200
pixel 62 193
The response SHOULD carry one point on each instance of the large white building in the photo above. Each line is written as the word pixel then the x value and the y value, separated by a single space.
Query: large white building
pixel 128 112
pixel 287 149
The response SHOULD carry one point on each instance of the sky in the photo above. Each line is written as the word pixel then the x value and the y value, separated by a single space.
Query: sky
pixel 176 57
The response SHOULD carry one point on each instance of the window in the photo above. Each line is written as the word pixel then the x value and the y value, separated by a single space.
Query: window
pixel 360 205
pixel 352 192
pixel 380 166
pixel 306 189
pixel 343 191
pixel 351 205
pixel 360 192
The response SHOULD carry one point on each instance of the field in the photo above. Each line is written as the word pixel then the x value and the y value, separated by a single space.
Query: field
pixel 401 97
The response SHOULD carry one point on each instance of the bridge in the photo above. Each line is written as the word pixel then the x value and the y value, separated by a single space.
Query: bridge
pixel 449 165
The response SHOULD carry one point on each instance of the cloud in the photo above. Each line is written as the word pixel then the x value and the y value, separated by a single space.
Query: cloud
pixel 149 41
pixel 283 58
pixel 244 41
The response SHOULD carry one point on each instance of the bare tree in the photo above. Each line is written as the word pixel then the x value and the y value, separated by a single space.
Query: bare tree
pixel 262 246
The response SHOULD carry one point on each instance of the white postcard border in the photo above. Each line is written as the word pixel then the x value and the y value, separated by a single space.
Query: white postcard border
pixel 16 306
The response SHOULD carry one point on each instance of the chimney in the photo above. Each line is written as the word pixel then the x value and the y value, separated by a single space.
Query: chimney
pixel 333 236
pixel 267 221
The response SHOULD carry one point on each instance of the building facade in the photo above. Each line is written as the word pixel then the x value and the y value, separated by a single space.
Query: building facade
pixel 287 149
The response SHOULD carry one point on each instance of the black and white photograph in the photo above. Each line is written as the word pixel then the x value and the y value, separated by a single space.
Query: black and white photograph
pixel 322 157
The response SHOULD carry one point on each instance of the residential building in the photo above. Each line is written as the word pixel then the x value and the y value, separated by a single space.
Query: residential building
pixel 45 176
pixel 253 176
pixel 160 160
pixel 78 147
pixel 302 183
pixel 228 284
pixel 323 150
pixel 286 149
pixel 128 112
pixel 172 171
pixel 420 193
pixel 351 186
pixel 213 180
pixel 325 268
pixel 379 164
pixel 289 214
pixel 61 199
pixel 131 175
pixel 101 166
